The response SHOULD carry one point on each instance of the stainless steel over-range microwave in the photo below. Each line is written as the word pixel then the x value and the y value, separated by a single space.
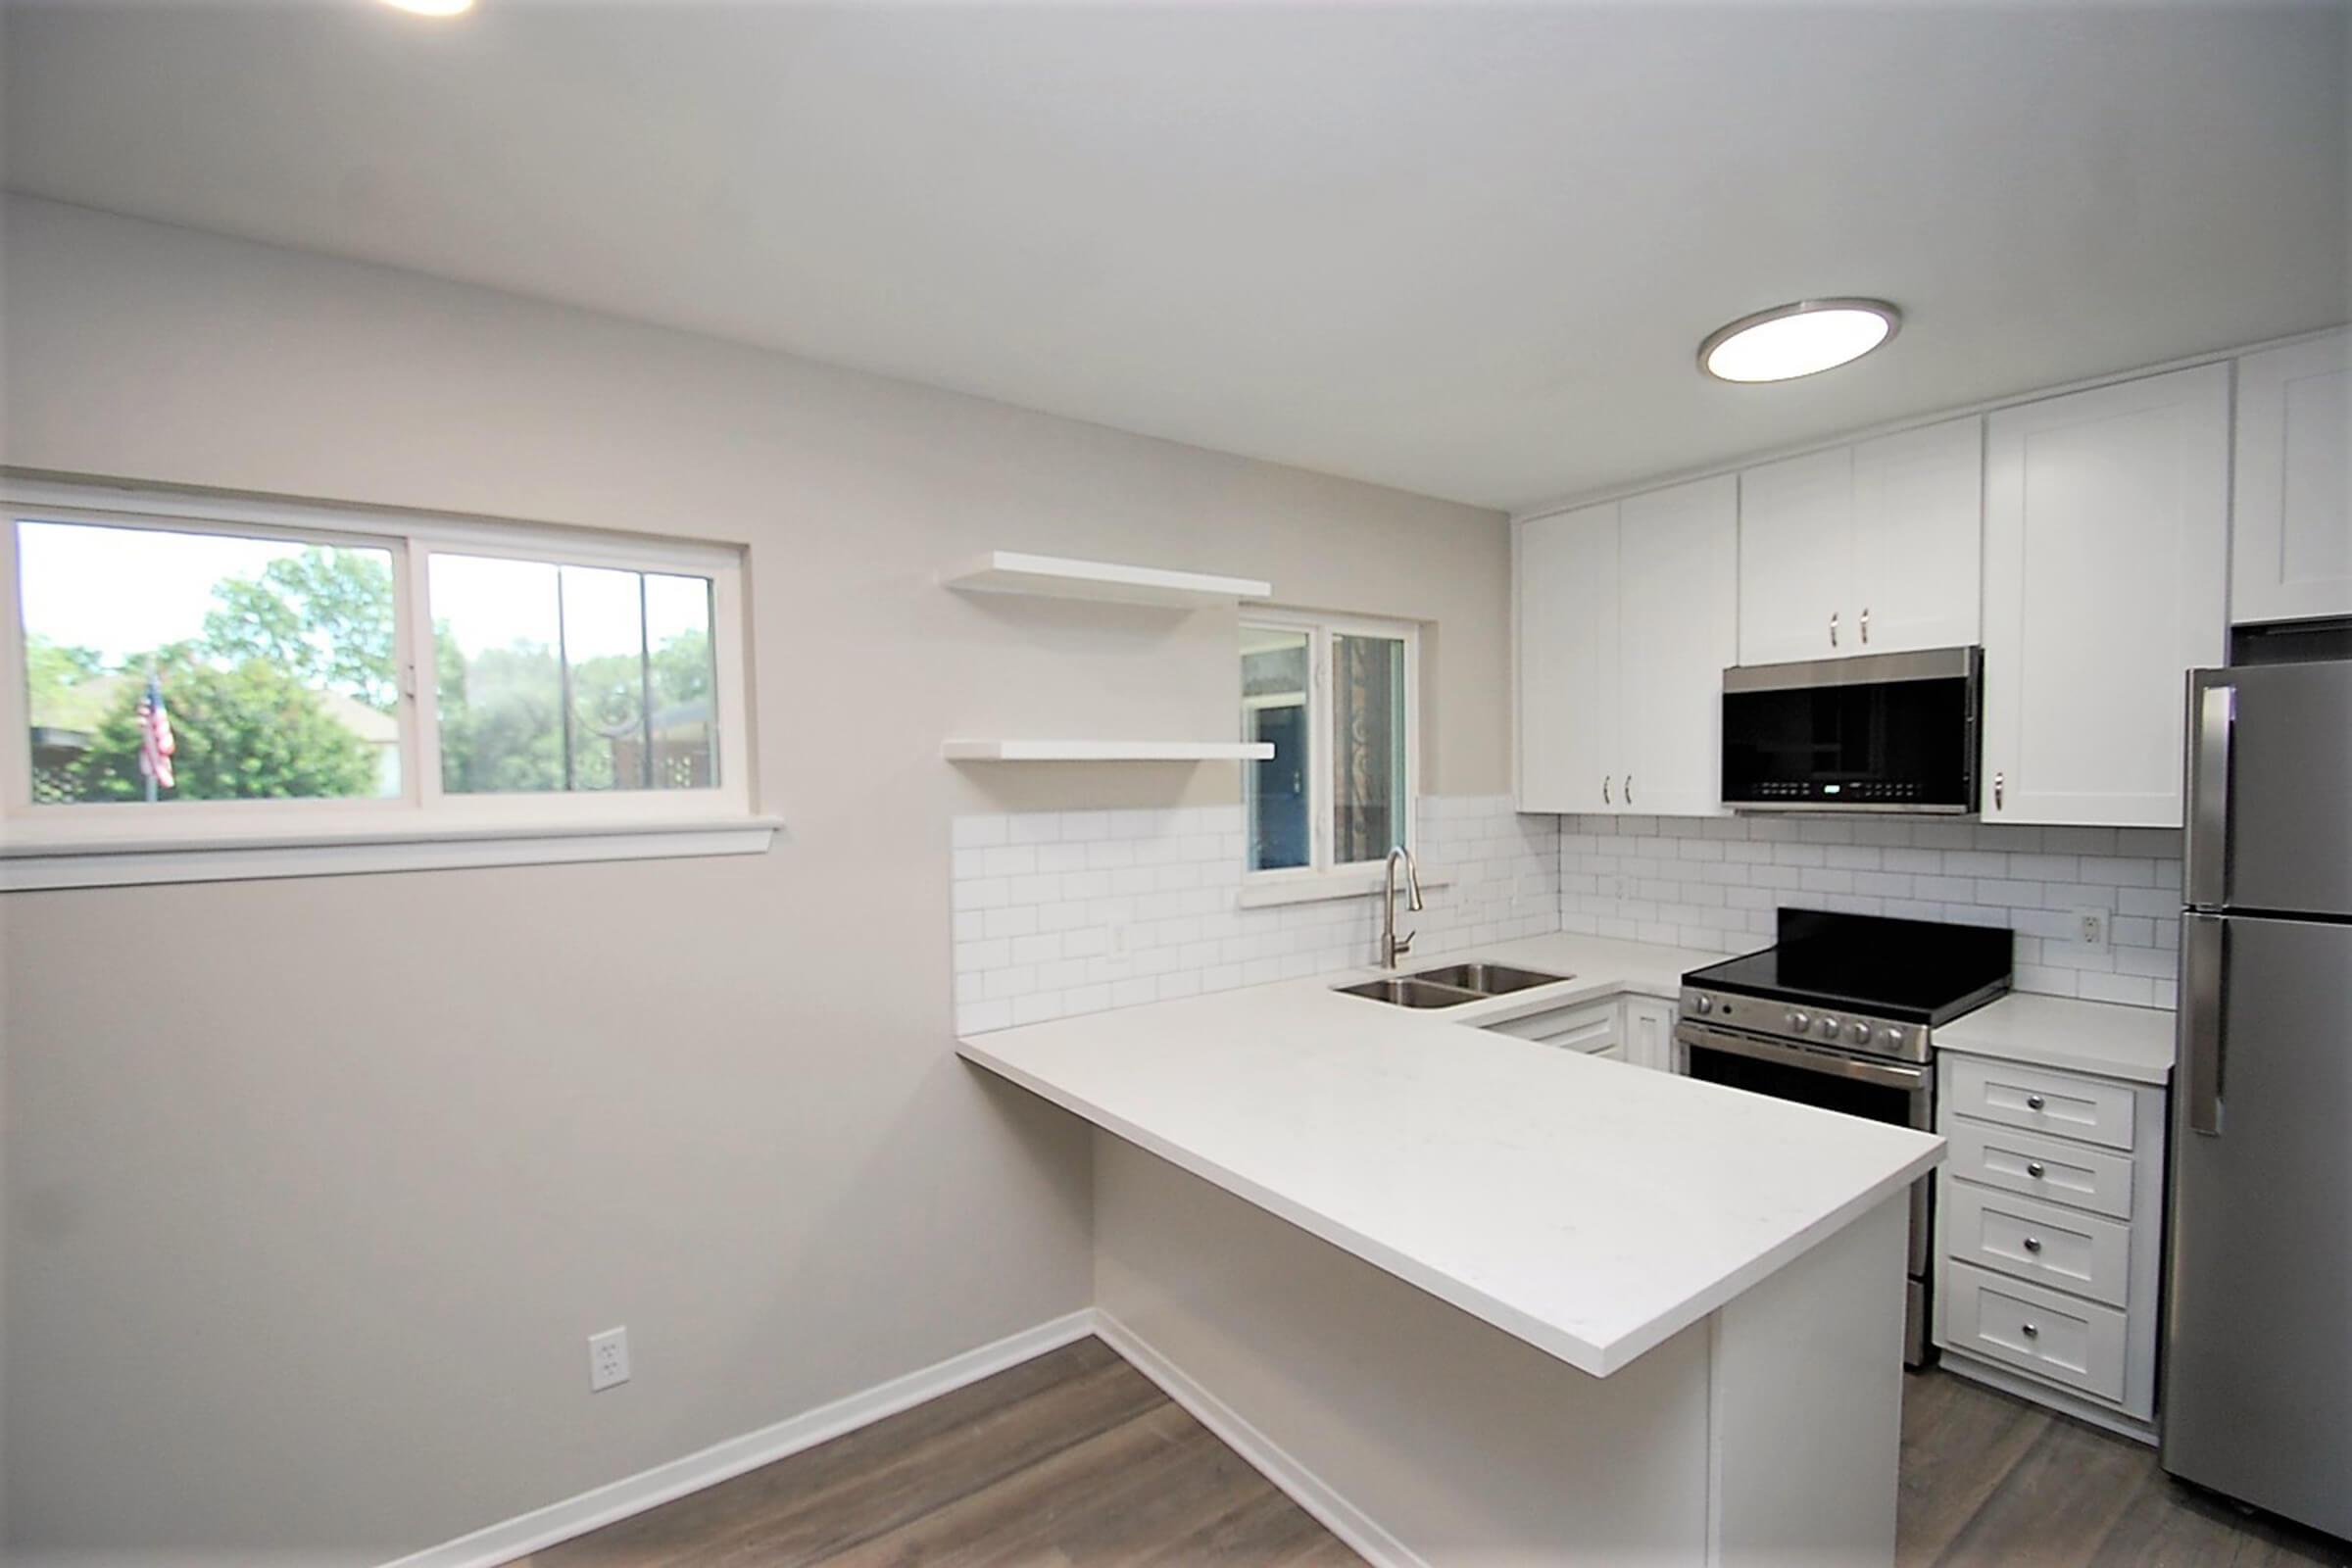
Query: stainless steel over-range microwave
pixel 1879 732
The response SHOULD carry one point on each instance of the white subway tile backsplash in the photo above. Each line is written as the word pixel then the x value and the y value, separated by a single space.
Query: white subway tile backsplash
pixel 1062 913
pixel 1623 879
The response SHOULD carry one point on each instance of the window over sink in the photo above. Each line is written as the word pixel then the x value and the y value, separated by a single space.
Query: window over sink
pixel 1338 698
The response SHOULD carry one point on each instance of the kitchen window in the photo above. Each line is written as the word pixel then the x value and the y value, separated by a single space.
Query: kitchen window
pixel 1337 699
pixel 197 687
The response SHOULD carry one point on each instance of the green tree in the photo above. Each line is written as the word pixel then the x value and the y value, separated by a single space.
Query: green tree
pixel 324 617
pixel 245 733
pixel 502 716
pixel 502 712
pixel 681 670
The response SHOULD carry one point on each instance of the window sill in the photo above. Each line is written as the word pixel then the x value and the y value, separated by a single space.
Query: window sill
pixel 32 866
pixel 1333 885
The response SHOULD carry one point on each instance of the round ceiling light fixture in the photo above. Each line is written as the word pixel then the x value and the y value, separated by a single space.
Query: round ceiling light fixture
pixel 432 8
pixel 1801 338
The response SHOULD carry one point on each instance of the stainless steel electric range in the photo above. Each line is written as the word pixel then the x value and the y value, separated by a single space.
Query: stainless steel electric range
pixel 1841 1013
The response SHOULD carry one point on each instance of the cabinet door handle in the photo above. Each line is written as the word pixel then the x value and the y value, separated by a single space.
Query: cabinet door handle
pixel 1629 789
pixel 2000 789
pixel 1604 788
pixel 1866 625
pixel 1832 628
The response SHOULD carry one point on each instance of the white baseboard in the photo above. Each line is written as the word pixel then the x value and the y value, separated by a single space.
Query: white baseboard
pixel 590 1510
pixel 2042 1394
pixel 1268 1458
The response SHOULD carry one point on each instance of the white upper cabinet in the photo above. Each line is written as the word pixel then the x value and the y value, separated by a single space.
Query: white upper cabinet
pixel 1918 538
pixel 1863 549
pixel 2106 568
pixel 1679 595
pixel 1796 557
pixel 1626 616
pixel 1565 577
pixel 2293 557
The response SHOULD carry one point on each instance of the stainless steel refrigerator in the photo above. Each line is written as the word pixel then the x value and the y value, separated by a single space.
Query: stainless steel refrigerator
pixel 2258 1333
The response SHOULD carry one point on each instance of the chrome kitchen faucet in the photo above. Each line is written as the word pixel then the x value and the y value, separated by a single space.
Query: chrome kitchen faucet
pixel 1391 945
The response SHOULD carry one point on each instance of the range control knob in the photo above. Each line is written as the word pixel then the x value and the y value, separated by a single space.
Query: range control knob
pixel 1705 1005
pixel 1830 1027
pixel 1860 1033
pixel 1891 1037
pixel 1801 1021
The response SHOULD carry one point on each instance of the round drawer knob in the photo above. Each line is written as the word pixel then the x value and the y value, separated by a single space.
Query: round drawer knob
pixel 2033 1331
pixel 2033 1101
pixel 2033 1243
pixel 2035 1169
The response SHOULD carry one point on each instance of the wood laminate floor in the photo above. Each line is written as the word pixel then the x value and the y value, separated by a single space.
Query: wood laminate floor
pixel 1075 1460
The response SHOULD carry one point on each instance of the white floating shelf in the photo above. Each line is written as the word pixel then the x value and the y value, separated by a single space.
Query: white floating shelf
pixel 1109 750
pixel 1010 572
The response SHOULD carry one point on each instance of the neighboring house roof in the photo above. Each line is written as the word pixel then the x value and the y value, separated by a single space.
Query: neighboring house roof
pixel 377 729
pixel 84 706
pixel 80 708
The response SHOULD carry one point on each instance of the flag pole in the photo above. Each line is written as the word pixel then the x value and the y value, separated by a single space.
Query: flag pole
pixel 145 729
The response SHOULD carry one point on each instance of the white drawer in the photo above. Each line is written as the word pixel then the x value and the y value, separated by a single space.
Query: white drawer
pixel 1587 1026
pixel 2042 1101
pixel 2052 1168
pixel 2060 1338
pixel 2061 1247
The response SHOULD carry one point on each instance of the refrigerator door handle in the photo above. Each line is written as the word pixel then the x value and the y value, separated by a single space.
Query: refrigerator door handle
pixel 2204 952
pixel 2212 726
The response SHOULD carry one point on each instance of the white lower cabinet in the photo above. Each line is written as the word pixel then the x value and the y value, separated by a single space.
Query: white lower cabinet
pixel 2042 1333
pixel 1593 1027
pixel 2049 1234
pixel 1639 1030
pixel 2064 1248
pixel 1650 1033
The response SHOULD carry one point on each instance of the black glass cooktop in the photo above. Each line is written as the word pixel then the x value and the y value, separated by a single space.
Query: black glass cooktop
pixel 1916 971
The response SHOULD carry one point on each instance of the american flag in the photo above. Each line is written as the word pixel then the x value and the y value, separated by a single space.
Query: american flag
pixel 156 744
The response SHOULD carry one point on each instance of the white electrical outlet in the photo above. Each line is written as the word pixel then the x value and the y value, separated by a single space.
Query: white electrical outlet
pixel 608 1359
pixel 2090 930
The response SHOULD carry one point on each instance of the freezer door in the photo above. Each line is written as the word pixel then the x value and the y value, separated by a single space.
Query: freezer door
pixel 2270 788
pixel 2257 1382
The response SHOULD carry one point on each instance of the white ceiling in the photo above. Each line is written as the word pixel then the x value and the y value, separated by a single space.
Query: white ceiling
pixel 1463 249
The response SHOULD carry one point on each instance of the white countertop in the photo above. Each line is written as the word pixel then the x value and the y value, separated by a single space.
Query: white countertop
pixel 1590 1208
pixel 2094 1037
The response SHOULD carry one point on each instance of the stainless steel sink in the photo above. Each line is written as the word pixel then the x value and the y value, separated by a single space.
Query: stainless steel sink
pixel 1451 985
pixel 1409 993
pixel 1487 979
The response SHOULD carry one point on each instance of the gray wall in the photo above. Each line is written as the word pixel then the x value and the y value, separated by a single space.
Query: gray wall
pixel 315 1188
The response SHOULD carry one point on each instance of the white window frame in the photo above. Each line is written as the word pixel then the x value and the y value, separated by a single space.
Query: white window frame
pixel 113 843
pixel 1320 878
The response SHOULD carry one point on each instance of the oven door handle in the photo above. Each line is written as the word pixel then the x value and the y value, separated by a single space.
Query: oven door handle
pixel 1887 1075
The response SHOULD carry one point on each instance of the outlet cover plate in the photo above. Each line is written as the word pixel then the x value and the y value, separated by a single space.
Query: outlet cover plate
pixel 2092 932
pixel 608 1359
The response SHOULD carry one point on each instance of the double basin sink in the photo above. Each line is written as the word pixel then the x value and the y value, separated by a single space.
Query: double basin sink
pixel 1450 985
